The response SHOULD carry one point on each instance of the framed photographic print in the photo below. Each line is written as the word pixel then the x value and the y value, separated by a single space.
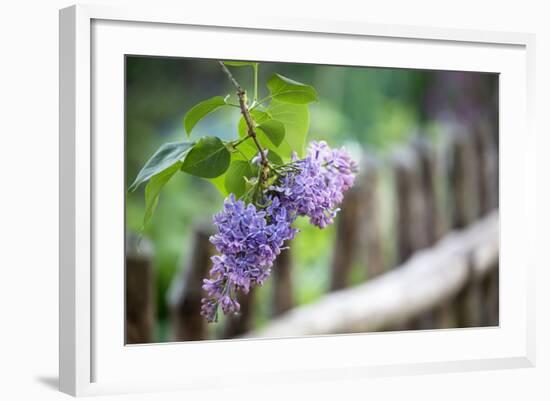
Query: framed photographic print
pixel 344 194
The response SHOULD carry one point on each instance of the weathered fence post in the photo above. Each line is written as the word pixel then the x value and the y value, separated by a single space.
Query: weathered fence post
pixel 370 233
pixel 465 176
pixel 444 314
pixel 463 179
pixel 185 294
pixel 402 163
pixel 140 290
pixel 428 177
pixel 358 235
pixel 241 323
pixel 347 235
pixel 468 302
pixel 487 154
pixel 430 223
pixel 412 234
pixel 412 221
pixel 283 298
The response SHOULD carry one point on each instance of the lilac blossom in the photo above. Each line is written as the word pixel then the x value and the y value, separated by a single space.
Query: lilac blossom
pixel 248 240
pixel 316 185
pixel 339 168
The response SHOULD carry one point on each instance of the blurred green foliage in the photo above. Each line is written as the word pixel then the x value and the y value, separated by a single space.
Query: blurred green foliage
pixel 362 108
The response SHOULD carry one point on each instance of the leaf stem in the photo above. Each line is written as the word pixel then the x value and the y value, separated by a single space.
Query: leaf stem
pixel 259 102
pixel 256 66
pixel 237 143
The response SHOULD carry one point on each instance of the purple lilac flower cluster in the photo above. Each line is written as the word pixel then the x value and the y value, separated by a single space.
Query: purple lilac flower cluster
pixel 317 183
pixel 248 242
pixel 250 238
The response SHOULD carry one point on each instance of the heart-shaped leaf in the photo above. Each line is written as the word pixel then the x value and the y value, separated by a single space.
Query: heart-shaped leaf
pixel 199 111
pixel 167 155
pixel 287 90
pixel 248 147
pixel 209 158
pixel 258 117
pixel 295 118
pixel 274 130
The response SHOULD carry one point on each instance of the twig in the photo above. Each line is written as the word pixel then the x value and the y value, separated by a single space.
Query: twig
pixel 228 73
pixel 241 94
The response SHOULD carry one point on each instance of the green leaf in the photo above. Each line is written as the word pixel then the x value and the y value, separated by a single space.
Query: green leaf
pixel 287 90
pixel 270 133
pixel 163 158
pixel 219 181
pixel 295 118
pixel 234 178
pixel 274 130
pixel 153 188
pixel 248 147
pixel 274 158
pixel 258 117
pixel 239 63
pixel 209 158
pixel 199 111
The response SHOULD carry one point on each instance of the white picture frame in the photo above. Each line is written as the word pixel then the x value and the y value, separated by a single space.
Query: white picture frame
pixel 93 357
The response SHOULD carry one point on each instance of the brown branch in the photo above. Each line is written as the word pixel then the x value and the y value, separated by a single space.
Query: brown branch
pixel 241 94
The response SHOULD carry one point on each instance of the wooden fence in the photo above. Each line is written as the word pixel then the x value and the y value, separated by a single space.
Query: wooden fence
pixel 445 273
pixel 140 291
pixel 423 223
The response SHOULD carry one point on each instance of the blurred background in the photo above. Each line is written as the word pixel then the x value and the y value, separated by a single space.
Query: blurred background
pixel 413 248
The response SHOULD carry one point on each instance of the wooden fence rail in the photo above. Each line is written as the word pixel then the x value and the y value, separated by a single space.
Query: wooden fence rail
pixel 429 278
